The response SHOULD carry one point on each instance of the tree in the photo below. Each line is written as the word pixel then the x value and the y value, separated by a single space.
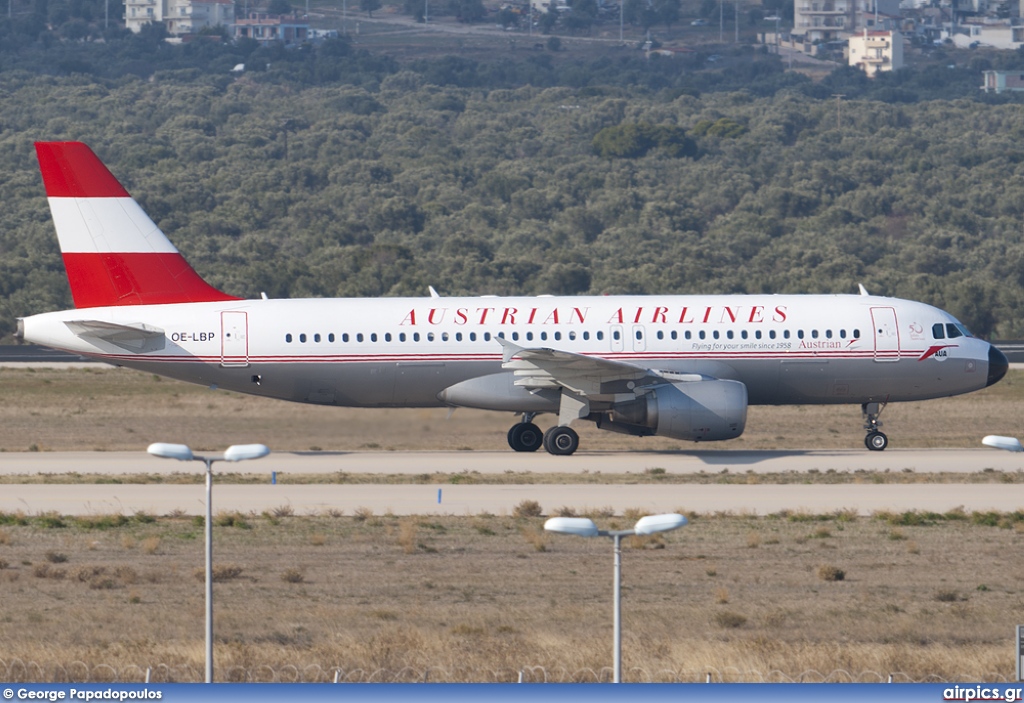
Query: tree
pixel 369 6
pixel 467 10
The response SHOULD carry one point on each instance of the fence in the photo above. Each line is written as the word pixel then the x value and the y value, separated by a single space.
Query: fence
pixel 16 670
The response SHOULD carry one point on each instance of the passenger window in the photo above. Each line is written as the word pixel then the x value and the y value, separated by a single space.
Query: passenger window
pixel 415 336
pixel 316 337
pixel 387 336
pixel 771 334
pixel 814 334
pixel 444 336
pixel 842 334
pixel 529 336
pixel 373 337
pixel 288 338
pixel 616 335
pixel 302 337
pixel 856 334
pixel 458 336
pixel 729 334
pixel 558 336
pixel 515 336
pixel 938 331
pixel 430 336
pixel 828 334
pixel 715 334
pixel 689 335
pixel 639 335
pixel 600 335
pixel 757 334
pixel 344 337
pixel 675 335
pixel 472 336
pixel 543 336
pixel 586 336
pixel 500 335
pixel 330 337
pixel 401 336
pixel 743 334
pixel 487 336
pixel 572 336
pixel 359 337
pixel 702 334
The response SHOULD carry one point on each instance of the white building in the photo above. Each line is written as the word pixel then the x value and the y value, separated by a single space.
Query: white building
pixel 179 16
pixel 874 51
pixel 830 20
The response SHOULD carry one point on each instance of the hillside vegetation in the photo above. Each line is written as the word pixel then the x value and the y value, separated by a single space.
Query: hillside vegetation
pixel 340 173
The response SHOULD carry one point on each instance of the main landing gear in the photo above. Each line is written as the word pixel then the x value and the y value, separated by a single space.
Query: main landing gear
pixel 875 440
pixel 527 437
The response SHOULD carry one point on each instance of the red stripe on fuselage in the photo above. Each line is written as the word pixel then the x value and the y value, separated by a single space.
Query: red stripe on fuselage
pixel 100 280
pixel 72 170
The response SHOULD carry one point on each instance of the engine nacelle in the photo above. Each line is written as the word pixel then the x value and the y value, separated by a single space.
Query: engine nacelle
pixel 500 392
pixel 700 411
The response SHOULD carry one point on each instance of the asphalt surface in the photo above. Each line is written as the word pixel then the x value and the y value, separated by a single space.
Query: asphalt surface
pixel 404 499
pixel 416 463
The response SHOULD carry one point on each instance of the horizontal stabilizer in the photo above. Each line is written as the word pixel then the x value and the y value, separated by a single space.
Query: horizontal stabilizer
pixel 136 337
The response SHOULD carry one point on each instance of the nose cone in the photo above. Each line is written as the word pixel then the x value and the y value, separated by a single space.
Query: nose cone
pixel 997 365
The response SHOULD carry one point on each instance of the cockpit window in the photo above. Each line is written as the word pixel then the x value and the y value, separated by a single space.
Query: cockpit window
pixel 938 331
pixel 953 331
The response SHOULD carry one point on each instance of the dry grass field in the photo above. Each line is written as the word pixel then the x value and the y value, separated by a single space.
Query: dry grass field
pixel 107 409
pixel 481 598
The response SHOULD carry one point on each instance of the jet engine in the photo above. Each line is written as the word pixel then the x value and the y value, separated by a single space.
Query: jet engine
pixel 698 411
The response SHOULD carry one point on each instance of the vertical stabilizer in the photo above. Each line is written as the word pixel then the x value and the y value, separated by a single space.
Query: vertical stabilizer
pixel 114 254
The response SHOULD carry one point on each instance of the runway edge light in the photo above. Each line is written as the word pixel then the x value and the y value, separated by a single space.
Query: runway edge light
pixel 1010 444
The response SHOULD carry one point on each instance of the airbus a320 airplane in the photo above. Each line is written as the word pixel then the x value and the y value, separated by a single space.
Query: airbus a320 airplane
pixel 685 367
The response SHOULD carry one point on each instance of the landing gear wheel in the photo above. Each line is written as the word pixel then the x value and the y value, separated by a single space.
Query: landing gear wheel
pixel 561 441
pixel 525 437
pixel 876 441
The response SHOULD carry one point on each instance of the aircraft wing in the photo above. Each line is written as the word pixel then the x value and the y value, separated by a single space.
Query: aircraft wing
pixel 583 378
pixel 136 337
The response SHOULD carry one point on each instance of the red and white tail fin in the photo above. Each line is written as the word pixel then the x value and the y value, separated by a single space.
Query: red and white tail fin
pixel 114 254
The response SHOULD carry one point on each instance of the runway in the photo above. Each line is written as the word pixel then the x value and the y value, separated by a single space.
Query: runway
pixel 416 463
pixel 446 498
pixel 406 499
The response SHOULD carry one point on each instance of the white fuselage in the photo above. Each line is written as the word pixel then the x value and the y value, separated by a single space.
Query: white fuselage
pixel 404 352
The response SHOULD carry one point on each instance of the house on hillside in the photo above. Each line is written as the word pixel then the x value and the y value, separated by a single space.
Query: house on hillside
pixel 267 29
pixel 179 16
pixel 1001 81
pixel 876 51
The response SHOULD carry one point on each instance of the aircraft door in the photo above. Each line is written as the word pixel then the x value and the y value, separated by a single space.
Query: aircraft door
pixel 615 335
pixel 639 342
pixel 887 335
pixel 234 338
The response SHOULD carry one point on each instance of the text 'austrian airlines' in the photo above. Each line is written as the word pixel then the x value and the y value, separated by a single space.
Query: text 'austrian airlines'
pixel 680 366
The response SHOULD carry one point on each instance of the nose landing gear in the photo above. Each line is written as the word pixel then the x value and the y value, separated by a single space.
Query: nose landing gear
pixel 875 440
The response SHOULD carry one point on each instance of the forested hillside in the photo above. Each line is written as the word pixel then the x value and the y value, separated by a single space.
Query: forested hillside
pixel 383 182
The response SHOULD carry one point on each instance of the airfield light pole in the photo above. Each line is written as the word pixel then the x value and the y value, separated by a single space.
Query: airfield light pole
pixel 181 452
pixel 585 527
